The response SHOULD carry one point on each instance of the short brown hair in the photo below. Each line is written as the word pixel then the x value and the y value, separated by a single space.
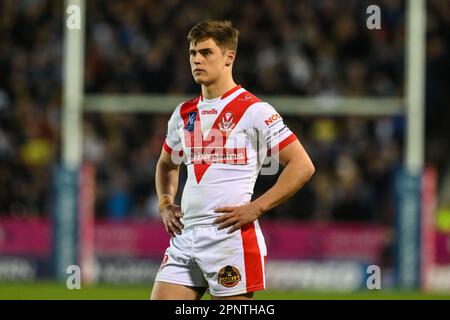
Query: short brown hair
pixel 221 31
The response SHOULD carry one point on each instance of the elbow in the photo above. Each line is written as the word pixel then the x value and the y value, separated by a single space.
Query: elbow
pixel 305 171
pixel 310 171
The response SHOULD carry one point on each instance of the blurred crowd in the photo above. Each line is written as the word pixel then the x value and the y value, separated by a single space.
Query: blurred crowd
pixel 304 48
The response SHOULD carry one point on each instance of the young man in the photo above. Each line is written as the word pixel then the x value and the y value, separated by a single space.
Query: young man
pixel 221 136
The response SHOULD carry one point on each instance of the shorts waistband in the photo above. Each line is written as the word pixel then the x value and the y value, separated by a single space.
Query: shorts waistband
pixel 202 226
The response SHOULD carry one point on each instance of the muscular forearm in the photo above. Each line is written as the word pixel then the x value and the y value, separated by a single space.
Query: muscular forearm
pixel 291 179
pixel 166 180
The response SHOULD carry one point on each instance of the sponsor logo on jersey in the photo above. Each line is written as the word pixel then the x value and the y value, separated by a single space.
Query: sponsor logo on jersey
pixel 210 111
pixel 210 155
pixel 273 118
pixel 229 276
pixel 280 130
pixel 226 123
pixel 191 121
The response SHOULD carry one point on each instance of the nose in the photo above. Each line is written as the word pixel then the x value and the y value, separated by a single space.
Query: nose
pixel 196 59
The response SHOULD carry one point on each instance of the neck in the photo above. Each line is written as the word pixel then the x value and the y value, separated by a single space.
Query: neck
pixel 218 88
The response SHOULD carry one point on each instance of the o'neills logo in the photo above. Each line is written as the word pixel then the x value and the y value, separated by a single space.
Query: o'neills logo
pixel 226 122
pixel 229 276
pixel 210 111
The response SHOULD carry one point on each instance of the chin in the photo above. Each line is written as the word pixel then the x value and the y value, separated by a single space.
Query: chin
pixel 201 80
pixel 198 81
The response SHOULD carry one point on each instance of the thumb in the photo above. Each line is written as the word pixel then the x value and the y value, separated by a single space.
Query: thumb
pixel 178 212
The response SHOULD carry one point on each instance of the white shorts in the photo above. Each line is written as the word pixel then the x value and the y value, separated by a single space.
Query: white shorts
pixel 228 264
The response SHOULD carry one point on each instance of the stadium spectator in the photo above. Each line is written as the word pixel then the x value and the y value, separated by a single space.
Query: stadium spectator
pixel 305 48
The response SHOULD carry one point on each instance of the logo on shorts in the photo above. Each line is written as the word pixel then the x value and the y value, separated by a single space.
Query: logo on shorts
pixel 164 261
pixel 229 276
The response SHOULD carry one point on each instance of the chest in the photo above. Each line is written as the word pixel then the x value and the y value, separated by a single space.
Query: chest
pixel 215 126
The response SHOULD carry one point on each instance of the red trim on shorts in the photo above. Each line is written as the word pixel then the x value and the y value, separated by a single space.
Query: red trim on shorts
pixel 252 258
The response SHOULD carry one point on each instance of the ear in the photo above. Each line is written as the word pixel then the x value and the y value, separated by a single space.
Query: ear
pixel 230 56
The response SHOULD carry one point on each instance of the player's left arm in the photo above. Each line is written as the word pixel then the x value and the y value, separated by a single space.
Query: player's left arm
pixel 298 169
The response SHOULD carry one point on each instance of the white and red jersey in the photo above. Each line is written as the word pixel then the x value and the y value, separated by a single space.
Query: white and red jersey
pixel 223 143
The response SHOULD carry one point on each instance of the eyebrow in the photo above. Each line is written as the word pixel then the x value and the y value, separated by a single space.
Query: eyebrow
pixel 202 51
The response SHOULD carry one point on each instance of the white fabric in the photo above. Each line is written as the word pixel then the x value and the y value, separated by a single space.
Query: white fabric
pixel 225 184
pixel 195 258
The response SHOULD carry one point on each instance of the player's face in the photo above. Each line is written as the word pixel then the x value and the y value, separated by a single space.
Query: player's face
pixel 208 62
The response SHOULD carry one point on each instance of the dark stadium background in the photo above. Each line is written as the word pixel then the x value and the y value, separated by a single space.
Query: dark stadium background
pixel 304 48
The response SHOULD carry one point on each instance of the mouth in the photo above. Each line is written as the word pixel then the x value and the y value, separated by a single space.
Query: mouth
pixel 196 70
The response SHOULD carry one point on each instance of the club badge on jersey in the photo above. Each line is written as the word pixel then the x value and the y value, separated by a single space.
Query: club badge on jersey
pixel 226 123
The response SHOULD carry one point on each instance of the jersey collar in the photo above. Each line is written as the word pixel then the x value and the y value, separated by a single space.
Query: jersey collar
pixel 226 94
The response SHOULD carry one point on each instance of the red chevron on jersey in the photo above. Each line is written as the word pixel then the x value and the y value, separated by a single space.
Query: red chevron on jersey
pixel 215 141
pixel 225 152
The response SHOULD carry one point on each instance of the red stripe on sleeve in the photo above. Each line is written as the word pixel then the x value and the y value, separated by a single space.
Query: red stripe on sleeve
pixel 252 259
pixel 167 148
pixel 283 144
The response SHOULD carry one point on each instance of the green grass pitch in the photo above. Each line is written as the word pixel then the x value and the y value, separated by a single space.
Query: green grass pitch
pixel 58 291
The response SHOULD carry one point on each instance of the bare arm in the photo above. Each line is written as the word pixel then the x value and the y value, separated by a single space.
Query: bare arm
pixel 297 171
pixel 166 180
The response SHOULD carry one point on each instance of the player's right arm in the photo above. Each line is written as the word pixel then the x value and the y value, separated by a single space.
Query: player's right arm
pixel 166 178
